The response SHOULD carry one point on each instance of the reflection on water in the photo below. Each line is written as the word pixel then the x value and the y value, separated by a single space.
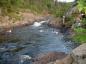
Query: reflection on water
pixel 30 41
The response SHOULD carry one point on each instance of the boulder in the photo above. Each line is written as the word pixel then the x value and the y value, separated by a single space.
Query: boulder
pixel 49 57
pixel 67 60
pixel 79 54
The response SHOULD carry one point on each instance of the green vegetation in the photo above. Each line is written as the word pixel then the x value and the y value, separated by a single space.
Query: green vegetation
pixel 80 35
pixel 84 23
pixel 80 32
pixel 38 6
pixel 82 5
pixel 8 6
pixel 12 8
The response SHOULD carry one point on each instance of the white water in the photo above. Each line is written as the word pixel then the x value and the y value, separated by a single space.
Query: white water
pixel 37 24
pixel 23 58
pixel 9 31
pixel 41 30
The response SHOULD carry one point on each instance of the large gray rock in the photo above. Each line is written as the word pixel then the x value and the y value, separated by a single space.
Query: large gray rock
pixel 79 54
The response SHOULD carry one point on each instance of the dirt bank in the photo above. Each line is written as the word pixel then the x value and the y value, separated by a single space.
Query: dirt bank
pixel 26 18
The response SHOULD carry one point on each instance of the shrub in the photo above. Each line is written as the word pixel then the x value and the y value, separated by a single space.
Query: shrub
pixel 80 35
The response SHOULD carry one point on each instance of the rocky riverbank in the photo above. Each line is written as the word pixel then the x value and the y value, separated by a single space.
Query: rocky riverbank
pixel 48 57
pixel 26 18
pixel 77 56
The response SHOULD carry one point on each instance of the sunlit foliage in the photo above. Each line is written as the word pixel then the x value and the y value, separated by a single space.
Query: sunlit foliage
pixel 82 5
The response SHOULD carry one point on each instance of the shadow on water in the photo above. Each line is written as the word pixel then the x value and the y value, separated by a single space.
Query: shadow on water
pixel 8 38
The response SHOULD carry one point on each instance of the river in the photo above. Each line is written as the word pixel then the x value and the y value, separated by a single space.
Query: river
pixel 31 41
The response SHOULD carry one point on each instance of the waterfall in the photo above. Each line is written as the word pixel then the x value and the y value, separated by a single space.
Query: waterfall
pixel 71 9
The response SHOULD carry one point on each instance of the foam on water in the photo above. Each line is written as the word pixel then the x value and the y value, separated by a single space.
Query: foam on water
pixel 24 57
pixel 9 31
pixel 37 24
pixel 55 32
pixel 41 31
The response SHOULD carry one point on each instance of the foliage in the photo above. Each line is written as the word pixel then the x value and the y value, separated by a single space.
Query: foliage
pixel 80 35
pixel 38 6
pixel 80 30
pixel 82 5
pixel 83 23
pixel 81 38
pixel 10 5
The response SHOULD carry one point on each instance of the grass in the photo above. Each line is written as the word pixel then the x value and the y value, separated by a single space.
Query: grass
pixel 81 38
pixel 80 35
pixel 80 30
pixel 37 6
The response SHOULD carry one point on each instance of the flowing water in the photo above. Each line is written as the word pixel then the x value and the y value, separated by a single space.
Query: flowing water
pixel 32 40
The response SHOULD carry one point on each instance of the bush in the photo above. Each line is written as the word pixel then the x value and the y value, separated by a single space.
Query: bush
pixel 35 6
pixel 81 38
pixel 84 23
pixel 8 6
pixel 80 35
pixel 82 5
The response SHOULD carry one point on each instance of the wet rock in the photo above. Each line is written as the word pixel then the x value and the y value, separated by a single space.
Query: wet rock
pixel 48 57
pixel 67 60
pixel 55 23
